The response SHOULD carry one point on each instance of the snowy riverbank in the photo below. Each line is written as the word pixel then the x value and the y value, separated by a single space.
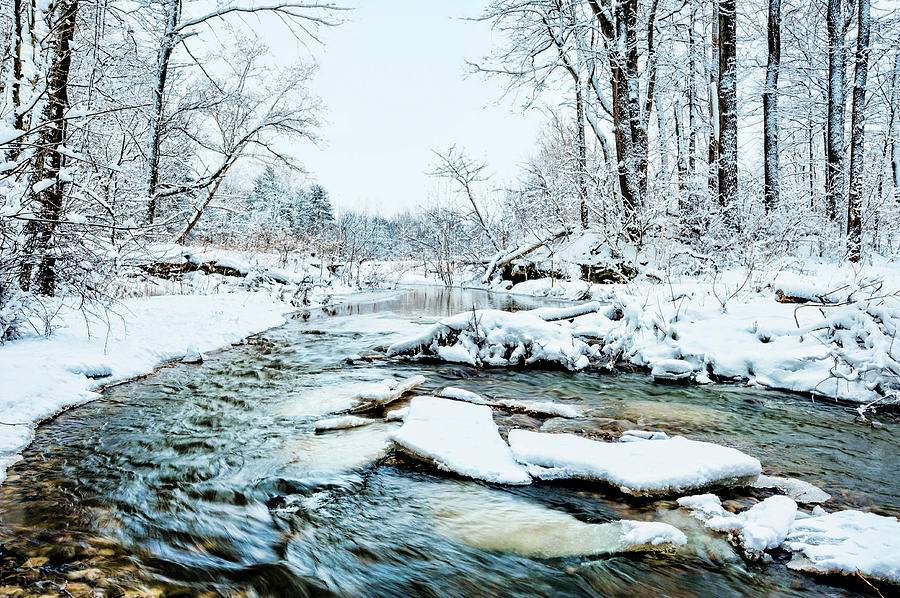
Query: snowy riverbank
pixel 822 330
pixel 44 375
pixel 169 320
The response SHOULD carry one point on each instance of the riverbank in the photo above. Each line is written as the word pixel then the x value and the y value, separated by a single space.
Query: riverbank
pixel 175 319
pixel 823 331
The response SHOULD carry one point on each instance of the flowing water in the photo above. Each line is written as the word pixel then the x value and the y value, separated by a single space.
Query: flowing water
pixel 210 480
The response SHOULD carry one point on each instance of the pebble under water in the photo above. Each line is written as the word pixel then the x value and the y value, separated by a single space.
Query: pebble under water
pixel 210 480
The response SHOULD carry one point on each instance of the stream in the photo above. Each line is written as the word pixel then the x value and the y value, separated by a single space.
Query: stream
pixel 210 480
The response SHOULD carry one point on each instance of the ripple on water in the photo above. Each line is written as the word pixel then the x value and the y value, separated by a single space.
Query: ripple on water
pixel 210 478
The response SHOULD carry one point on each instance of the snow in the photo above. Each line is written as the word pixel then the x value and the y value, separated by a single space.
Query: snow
pixel 638 435
pixel 341 423
pixel 496 338
pixel 43 375
pixel 689 327
pixel 541 408
pixel 42 185
pixel 651 532
pixel 660 466
pixel 672 369
pixel 762 527
pixel 847 542
pixel 800 491
pixel 381 394
pixel 397 415
pixel 461 394
pixel 458 437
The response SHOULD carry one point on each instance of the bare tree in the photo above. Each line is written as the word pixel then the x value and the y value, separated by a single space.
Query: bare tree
pixel 728 117
pixel 770 108
pixel 858 133
pixel 456 166
pixel 298 16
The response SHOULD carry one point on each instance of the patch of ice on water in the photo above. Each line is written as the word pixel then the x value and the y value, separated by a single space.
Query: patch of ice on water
pixel 458 437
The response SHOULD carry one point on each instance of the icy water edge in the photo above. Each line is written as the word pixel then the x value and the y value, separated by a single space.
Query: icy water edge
pixel 209 480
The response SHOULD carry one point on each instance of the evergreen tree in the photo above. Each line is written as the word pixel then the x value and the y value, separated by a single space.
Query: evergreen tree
pixel 320 212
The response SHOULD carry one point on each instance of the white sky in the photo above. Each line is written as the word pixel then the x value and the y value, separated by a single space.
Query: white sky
pixel 395 85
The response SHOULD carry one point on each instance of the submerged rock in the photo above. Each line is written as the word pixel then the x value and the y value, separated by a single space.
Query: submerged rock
pixel 315 455
pixel 493 520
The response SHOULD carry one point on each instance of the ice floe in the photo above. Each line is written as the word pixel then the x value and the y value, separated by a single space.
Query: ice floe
pixel 846 542
pixel 661 466
pixel 492 520
pixel 381 394
pixel 458 437
pixel 341 423
pixel 800 491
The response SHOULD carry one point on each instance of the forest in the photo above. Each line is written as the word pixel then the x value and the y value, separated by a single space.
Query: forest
pixel 659 356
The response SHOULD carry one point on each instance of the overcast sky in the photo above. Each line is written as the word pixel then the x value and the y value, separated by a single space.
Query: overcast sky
pixel 394 82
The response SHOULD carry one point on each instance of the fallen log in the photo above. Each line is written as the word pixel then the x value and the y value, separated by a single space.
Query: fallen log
pixel 501 260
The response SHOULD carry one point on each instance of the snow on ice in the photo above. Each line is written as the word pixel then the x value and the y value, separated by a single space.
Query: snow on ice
pixel 660 466
pixel 458 437
pixel 846 542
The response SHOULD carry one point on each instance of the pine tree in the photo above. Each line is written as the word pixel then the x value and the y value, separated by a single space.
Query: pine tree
pixel 321 214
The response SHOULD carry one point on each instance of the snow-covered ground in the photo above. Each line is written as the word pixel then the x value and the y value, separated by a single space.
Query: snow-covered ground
pixel 840 343
pixel 179 320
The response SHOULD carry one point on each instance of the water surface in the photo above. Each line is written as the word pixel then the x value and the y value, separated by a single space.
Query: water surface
pixel 210 480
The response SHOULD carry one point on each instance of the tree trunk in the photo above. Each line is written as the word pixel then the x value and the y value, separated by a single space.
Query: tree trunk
pixel 48 158
pixel 582 154
pixel 16 87
pixel 154 138
pixel 770 108
pixel 728 167
pixel 857 139
pixel 713 154
pixel 895 120
pixel 834 140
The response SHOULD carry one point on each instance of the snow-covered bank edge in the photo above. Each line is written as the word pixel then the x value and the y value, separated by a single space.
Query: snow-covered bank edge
pixel 824 333
pixel 43 377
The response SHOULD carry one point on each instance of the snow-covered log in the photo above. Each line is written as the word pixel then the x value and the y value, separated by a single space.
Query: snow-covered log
pixel 503 259
pixel 496 338
pixel 554 314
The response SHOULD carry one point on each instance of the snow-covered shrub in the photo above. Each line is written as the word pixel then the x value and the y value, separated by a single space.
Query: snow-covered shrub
pixel 15 308
pixel 863 337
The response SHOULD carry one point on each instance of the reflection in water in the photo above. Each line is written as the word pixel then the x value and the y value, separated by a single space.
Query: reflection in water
pixel 211 479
